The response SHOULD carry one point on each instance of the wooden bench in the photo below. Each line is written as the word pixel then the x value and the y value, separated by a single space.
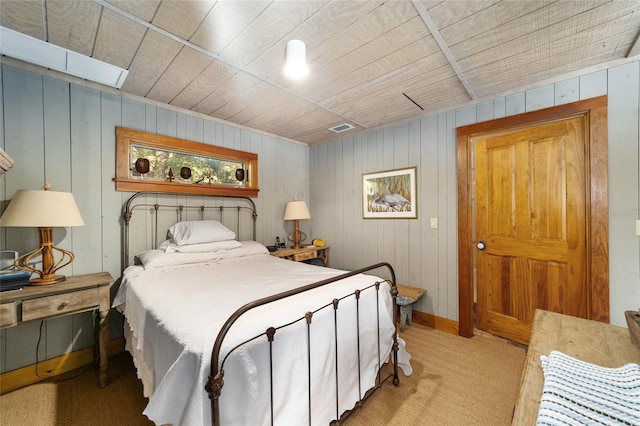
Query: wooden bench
pixel 407 296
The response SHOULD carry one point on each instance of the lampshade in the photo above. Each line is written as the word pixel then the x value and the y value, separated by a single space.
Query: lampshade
pixel 42 209
pixel 295 66
pixel 296 210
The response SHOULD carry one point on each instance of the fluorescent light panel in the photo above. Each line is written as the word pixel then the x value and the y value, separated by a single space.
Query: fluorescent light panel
pixel 35 51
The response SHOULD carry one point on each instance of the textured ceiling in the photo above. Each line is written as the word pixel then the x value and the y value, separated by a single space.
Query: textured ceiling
pixel 372 63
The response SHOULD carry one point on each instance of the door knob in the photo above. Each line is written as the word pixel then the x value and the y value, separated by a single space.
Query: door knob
pixel 481 245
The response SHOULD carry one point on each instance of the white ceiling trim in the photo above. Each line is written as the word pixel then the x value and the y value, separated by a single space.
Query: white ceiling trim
pixel 426 18
pixel 150 26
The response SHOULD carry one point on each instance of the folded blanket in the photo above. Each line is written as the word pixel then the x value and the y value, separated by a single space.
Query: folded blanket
pixel 579 393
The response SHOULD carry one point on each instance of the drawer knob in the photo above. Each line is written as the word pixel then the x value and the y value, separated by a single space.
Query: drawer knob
pixel 62 306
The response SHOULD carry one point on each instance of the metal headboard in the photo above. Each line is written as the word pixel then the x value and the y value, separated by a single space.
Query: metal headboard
pixel 161 210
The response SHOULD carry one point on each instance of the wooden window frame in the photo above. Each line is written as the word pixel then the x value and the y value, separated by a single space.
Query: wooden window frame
pixel 125 138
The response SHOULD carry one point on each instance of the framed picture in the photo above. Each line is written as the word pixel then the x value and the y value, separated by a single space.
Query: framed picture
pixel 390 194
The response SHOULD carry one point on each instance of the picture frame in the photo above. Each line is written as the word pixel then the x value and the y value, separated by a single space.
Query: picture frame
pixel 390 194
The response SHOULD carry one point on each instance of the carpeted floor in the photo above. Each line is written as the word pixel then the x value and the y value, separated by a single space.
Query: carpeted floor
pixel 455 381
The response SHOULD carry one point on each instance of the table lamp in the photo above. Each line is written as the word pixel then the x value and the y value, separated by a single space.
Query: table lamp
pixel 44 210
pixel 296 210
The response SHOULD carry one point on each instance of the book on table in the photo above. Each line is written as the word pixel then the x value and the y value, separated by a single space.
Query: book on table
pixel 12 279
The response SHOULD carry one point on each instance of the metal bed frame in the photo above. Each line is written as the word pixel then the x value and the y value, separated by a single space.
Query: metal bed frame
pixel 215 382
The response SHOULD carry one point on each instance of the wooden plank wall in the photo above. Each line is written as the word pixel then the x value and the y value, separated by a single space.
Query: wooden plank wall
pixel 64 134
pixel 426 257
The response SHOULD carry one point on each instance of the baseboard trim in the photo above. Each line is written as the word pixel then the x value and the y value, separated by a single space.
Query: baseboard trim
pixel 439 323
pixel 26 376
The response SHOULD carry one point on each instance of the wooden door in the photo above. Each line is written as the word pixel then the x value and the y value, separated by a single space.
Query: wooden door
pixel 530 220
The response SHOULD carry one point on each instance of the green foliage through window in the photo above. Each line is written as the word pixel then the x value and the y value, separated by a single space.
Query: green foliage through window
pixel 185 167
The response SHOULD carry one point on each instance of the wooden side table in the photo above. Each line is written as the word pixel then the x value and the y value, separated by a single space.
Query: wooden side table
pixel 407 296
pixel 304 253
pixel 76 294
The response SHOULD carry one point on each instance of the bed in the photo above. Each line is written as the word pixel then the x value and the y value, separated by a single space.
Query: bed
pixel 221 332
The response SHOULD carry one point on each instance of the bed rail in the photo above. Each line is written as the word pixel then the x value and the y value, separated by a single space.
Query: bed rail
pixel 180 211
pixel 215 380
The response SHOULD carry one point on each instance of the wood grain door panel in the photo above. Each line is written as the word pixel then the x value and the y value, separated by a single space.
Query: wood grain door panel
pixel 530 210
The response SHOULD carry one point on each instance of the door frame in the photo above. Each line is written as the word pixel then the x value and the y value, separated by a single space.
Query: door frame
pixel 597 204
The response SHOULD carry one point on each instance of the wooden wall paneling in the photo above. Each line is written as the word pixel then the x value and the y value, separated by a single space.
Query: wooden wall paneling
pixel 110 117
pixel 112 201
pixel 189 127
pixel 499 108
pixel 279 198
pixel 440 298
pixel 401 226
pixel 360 248
pixel 167 122
pixel 348 197
pixel 86 173
pixel 136 115
pixel 451 279
pixel 428 208
pixel 24 142
pixel 314 185
pixel 624 192
pixel 539 98
pixel 567 91
pixel 338 194
pixel 150 118
pixel 414 274
pixel 466 115
pixel 515 104
pixel 369 165
pixel 256 144
pixel 267 179
pixel 57 152
pixel 484 111
pixel 389 239
pixel 593 85
pixel 21 343
pixel 331 198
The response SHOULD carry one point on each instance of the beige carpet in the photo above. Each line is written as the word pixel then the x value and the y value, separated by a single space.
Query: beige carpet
pixel 455 381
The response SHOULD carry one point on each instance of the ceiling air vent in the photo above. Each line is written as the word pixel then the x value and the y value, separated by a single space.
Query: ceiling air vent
pixel 341 127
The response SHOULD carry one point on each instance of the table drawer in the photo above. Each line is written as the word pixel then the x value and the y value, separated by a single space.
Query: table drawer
pixel 60 304
pixel 305 256
pixel 8 314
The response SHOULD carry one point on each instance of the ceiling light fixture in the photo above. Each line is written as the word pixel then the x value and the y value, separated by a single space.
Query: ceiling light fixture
pixel 295 66
pixel 48 55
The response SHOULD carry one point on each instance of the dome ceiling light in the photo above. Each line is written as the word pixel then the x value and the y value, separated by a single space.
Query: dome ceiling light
pixel 295 67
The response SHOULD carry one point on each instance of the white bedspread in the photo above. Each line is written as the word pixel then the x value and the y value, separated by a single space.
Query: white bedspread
pixel 175 313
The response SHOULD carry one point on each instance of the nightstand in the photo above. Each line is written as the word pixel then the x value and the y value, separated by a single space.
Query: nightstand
pixel 304 253
pixel 76 294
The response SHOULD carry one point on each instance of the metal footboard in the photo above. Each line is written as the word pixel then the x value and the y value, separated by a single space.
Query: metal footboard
pixel 215 380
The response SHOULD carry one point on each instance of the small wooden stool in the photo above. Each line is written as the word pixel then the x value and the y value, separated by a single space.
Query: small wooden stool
pixel 405 299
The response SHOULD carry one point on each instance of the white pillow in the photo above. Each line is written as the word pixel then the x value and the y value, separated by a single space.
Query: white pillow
pixel 200 231
pixel 249 248
pixel 158 258
pixel 200 248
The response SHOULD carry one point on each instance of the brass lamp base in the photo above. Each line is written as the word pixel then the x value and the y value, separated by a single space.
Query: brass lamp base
pixel 49 266
pixel 297 236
